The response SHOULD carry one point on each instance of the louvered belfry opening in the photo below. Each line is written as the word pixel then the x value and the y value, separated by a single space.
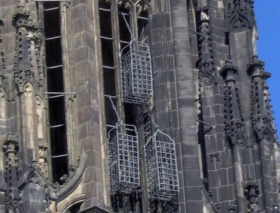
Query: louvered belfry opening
pixel 55 87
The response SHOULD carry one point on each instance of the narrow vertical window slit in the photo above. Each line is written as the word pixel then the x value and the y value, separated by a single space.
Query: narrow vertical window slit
pixel 57 120
pixel 107 59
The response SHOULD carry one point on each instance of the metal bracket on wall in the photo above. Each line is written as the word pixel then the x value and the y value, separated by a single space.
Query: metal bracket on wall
pixel 123 152
pixel 208 125
pixel 114 107
pixel 198 33
pixel 161 166
pixel 58 94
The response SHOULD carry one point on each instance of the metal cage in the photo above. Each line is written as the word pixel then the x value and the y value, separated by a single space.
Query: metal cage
pixel 161 166
pixel 124 158
pixel 137 79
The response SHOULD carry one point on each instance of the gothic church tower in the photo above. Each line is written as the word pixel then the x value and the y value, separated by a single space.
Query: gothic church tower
pixel 134 106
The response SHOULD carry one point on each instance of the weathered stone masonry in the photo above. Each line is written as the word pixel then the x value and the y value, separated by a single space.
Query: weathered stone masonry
pixel 142 106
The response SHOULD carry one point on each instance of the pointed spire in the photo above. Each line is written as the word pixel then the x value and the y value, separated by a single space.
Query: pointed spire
pixel 229 71
pixel 26 31
pixel 233 114
pixel 20 16
pixel 261 117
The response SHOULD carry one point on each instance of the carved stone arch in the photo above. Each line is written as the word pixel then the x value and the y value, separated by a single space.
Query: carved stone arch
pixel 143 9
pixel 73 181
pixel 239 14
pixel 145 5
pixel 31 176
pixel 41 99
pixel 79 199
pixel 262 127
pixel 32 83
pixel 28 89
pixel 268 135
pixel 34 190
pixel 239 21
pixel 240 140
pixel 235 140
pixel 4 94
pixel 20 86
pixel 126 3
pixel 207 75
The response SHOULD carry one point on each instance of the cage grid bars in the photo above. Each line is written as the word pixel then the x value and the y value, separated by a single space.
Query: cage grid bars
pixel 137 87
pixel 136 70
pixel 124 159
pixel 123 152
pixel 164 184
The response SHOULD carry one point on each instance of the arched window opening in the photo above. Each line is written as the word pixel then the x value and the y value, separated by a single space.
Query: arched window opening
pixel 75 208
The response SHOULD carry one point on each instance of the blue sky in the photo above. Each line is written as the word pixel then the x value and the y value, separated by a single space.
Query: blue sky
pixel 268 21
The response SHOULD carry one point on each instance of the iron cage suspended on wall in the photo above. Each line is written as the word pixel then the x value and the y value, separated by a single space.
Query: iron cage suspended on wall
pixel 161 166
pixel 136 70
pixel 124 158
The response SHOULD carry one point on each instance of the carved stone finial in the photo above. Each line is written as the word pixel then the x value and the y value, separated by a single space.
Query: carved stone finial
pixel 21 11
pixel 21 76
pixel 255 68
pixel 234 126
pixel 20 16
pixel 228 71
pixel 11 143
pixel 266 75
pixel 12 137
pixel 262 125
pixel 27 31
